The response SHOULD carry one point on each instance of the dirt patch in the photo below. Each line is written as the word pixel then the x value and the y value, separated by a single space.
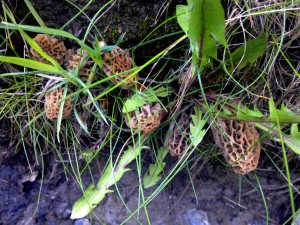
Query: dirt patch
pixel 222 195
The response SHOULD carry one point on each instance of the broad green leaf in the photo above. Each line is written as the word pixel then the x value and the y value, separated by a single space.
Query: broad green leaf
pixel 294 143
pixel 196 127
pixel 248 52
pixel 183 17
pixel 206 28
pixel 152 176
pixel 142 98
pixel 94 195
pixel 86 203
pixel 130 155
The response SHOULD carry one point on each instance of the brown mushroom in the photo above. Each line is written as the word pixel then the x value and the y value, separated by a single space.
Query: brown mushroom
pixel 52 104
pixel 51 46
pixel 79 58
pixel 178 142
pixel 147 117
pixel 117 61
pixel 239 141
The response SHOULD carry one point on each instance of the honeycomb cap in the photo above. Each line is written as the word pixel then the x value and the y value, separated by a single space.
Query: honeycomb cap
pixel 52 104
pixel 118 61
pixel 51 46
pixel 148 117
pixel 239 141
pixel 178 142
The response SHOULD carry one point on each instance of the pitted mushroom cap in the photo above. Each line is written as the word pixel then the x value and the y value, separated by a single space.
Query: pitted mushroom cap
pixel 118 61
pixel 79 58
pixel 239 141
pixel 51 46
pixel 147 117
pixel 52 106
pixel 178 143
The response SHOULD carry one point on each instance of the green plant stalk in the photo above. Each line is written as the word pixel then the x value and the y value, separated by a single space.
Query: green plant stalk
pixel 112 174
pixel 263 197
pixel 286 165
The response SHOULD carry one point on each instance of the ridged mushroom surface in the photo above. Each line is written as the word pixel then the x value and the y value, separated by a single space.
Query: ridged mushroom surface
pixel 79 58
pixel 52 104
pixel 178 143
pixel 51 46
pixel 118 61
pixel 147 117
pixel 239 141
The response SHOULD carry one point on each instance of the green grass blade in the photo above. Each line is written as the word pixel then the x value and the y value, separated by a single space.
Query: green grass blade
pixel 34 13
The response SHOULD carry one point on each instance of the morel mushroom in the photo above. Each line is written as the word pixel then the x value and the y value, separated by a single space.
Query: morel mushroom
pixel 52 104
pixel 118 61
pixel 178 143
pixel 51 46
pixel 147 118
pixel 79 58
pixel 239 141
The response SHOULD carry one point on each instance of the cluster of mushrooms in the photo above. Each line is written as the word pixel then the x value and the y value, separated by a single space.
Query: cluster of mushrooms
pixel 114 62
pixel 238 140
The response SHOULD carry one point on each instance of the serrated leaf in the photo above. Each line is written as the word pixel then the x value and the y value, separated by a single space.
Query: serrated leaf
pixel 206 28
pixel 294 144
pixel 183 17
pixel 244 113
pixel 152 176
pixel 130 155
pixel 85 204
pixel 196 127
pixel 142 98
pixel 93 196
pixel 248 52
pixel 284 115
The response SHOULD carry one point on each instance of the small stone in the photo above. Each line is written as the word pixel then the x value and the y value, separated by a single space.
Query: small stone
pixel 67 213
pixel 82 222
pixel 195 217
pixel 257 222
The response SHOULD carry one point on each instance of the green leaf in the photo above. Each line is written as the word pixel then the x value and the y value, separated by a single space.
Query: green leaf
pixel 60 112
pixel 35 14
pixel 183 17
pixel 86 203
pixel 94 195
pixel 28 63
pixel 294 143
pixel 284 114
pixel 244 113
pixel 196 127
pixel 142 98
pixel 206 28
pixel 248 52
pixel 152 176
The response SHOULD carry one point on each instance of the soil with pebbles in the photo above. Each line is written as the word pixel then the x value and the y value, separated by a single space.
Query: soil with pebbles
pixel 216 196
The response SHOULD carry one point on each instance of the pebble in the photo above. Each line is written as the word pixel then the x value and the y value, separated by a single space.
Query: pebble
pixel 82 222
pixel 195 217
